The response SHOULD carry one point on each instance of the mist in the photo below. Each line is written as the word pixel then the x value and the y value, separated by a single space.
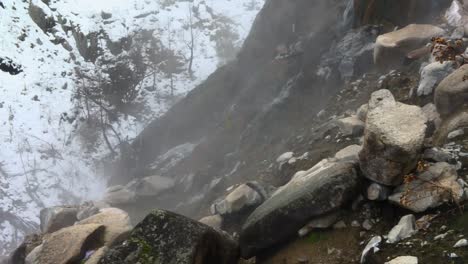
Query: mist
pixel 249 131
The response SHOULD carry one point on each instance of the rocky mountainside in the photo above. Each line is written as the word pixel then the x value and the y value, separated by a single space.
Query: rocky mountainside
pixel 79 79
pixel 336 135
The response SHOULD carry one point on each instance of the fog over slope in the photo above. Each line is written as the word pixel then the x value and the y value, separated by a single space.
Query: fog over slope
pixel 49 153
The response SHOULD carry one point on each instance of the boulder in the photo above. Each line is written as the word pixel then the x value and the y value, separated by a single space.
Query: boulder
pixel 433 118
pixel 321 222
pixel 96 256
pixel 451 94
pixel 311 194
pixel 32 257
pixel 454 122
pixel 29 244
pixel 430 189
pixel 116 222
pixel 350 126
pixel 241 198
pixel 153 185
pixel 86 210
pixel 214 221
pixel 69 245
pixel 378 192
pixel 349 153
pixel 391 48
pixel 119 195
pixel 57 217
pixel 168 238
pixel 393 139
pixel 432 74
pixel 403 260
pixel 405 228
pixel 362 112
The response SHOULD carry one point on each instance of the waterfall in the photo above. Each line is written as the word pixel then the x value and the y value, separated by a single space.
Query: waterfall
pixel 348 15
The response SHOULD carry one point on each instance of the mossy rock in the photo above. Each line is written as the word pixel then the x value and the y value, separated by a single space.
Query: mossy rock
pixel 167 238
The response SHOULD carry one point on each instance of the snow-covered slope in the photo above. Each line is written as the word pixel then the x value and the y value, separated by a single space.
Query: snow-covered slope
pixel 44 159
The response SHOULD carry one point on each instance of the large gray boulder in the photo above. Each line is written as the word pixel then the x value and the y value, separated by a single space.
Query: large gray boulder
pixel 451 94
pixel 57 217
pixel 168 238
pixel 393 139
pixel 430 189
pixel 391 48
pixel 310 194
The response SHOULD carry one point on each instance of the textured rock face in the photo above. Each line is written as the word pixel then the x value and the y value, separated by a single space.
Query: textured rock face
pixel 55 218
pixel 452 93
pixel 391 48
pixel 311 194
pixel 69 245
pixel 430 189
pixel 393 139
pixel 167 238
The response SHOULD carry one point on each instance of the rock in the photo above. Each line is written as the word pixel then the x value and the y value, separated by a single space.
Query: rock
pixel 431 188
pixel 214 221
pixel 167 238
pixel 69 244
pixel 362 112
pixel 454 134
pixel 372 246
pixel 393 139
pixel 350 153
pixel 314 193
pixel 433 118
pixel 339 225
pixel 119 195
pixel 32 257
pixel 377 192
pixel 432 74
pixel 452 93
pixel 29 244
pixel 391 48
pixel 86 210
pixel 461 243
pixel 97 255
pixel 404 260
pixel 350 126
pixel 367 225
pixel 57 217
pixel 153 185
pixel 405 228
pixel 437 155
pixel 450 124
pixel 241 198
pixel 116 222
pixel 285 157
pixel 322 222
